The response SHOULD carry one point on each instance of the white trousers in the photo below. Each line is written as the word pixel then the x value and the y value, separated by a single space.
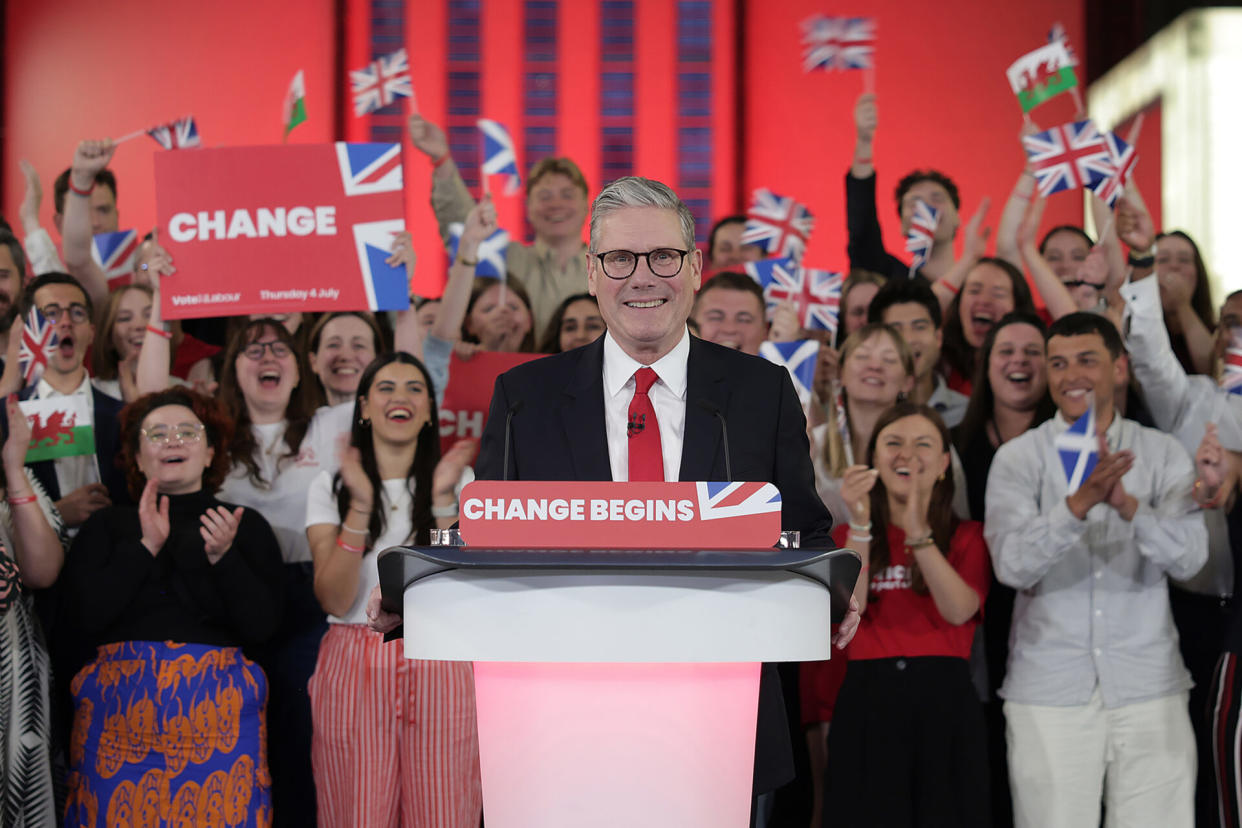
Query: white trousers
pixel 1140 757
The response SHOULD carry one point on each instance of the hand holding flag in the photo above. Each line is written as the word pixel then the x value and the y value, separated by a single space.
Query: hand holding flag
pixel 1069 156
pixel 1093 473
pixel 921 236
pixel 840 43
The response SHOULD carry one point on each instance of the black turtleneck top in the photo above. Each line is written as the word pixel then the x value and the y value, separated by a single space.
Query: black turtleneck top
pixel 119 591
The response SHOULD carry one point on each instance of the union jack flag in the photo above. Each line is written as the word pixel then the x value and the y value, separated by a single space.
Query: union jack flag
pixel 369 168
pixel 114 253
pixel 1079 449
pixel 39 342
pixel 1068 157
pixel 178 134
pixel 499 157
pixel 797 357
pixel 491 254
pixel 779 225
pixel 922 233
pixel 1124 159
pixel 381 82
pixel 1231 378
pixel 838 43
pixel 726 500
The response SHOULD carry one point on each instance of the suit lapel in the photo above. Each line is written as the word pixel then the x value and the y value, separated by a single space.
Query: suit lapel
pixel 582 415
pixel 705 383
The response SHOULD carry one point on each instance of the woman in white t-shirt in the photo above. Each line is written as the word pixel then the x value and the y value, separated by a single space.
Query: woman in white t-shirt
pixel 394 739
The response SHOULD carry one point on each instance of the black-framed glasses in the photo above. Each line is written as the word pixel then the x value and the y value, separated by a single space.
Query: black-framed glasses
pixel 665 262
pixel 255 350
pixel 77 313
pixel 183 433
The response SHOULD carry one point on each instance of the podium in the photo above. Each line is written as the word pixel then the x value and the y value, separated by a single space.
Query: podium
pixel 615 687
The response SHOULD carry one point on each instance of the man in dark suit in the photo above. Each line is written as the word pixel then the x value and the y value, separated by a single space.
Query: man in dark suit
pixel 577 416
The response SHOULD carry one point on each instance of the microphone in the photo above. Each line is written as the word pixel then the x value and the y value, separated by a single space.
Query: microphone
pixel 514 408
pixel 711 408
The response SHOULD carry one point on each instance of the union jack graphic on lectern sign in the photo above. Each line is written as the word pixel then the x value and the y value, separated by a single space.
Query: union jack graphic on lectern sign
pixel 1124 159
pixel 781 226
pixel 114 253
pixel 38 343
pixel 1078 448
pixel 1068 157
pixel 922 234
pixel 381 82
pixel 840 43
pixel 179 134
pixel 1231 377
pixel 728 500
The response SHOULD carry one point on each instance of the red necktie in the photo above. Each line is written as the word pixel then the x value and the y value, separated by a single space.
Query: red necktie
pixel 646 458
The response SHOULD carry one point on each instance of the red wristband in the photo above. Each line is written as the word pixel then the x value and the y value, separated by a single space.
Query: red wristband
pixel 159 332
pixel 21 501
pixel 357 550
pixel 944 284
pixel 440 161
pixel 83 193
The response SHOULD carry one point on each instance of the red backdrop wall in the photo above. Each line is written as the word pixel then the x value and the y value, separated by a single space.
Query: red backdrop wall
pixel 83 69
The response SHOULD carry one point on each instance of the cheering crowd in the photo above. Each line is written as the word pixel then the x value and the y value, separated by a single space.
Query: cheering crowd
pixel 1031 451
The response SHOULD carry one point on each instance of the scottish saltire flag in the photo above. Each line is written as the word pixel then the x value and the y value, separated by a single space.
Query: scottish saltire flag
pixel 1078 448
pixel 114 253
pixel 1231 377
pixel 380 82
pixel 491 254
pixel 179 134
pixel 369 168
pixel 840 43
pixel 38 343
pixel 499 157
pixel 1042 74
pixel 798 357
pixel 1068 157
pixel 922 233
pixel 779 225
pixel 59 427
pixel 726 500
pixel 1124 159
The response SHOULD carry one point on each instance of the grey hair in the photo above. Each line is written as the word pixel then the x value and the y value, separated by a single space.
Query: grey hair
pixel 635 191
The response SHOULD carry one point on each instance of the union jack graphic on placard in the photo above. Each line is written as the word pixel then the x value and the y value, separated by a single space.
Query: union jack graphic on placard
pixel 779 225
pixel 727 500
pixel 837 43
pixel 179 134
pixel 922 234
pixel 1078 448
pixel 387 286
pixel 114 253
pixel 1068 157
pixel 38 343
pixel 381 82
pixel 370 168
pixel 1231 377
pixel 1124 159
pixel 491 253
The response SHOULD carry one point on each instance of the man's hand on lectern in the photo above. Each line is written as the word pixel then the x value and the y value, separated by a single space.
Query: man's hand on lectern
pixel 845 631
pixel 383 622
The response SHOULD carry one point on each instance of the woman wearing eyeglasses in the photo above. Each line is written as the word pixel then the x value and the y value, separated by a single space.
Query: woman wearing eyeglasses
pixel 169 717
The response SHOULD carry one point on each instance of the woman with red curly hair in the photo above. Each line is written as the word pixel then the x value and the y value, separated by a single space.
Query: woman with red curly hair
pixel 169 718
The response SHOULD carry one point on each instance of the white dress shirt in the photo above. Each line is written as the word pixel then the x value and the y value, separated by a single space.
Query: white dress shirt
pixel 668 398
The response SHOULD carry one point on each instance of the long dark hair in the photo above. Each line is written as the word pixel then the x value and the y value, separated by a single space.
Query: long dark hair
pixel 426 456
pixel 379 343
pixel 939 511
pixel 298 412
pixel 551 342
pixel 1200 300
pixel 482 285
pixel 982 401
pixel 956 351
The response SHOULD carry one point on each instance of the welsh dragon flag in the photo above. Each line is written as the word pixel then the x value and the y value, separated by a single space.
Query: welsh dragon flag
pixel 1042 74
pixel 59 427
pixel 294 111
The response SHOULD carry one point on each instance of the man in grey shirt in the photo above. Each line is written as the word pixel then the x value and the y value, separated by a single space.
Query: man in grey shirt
pixel 1095 690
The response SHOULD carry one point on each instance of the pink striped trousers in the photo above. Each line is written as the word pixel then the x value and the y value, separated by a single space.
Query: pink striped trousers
pixel 395 741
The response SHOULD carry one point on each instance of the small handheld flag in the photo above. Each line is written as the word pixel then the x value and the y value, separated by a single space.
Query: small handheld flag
pixel 1124 159
pixel 1042 74
pixel 59 427
pixel 114 253
pixel 499 156
pixel 815 293
pixel 841 43
pixel 781 226
pixel 1068 157
pixel 922 234
pixel 381 82
pixel 1231 377
pixel 294 109
pixel 179 134
pixel 38 343
pixel 1078 448
pixel 798 357
pixel 491 253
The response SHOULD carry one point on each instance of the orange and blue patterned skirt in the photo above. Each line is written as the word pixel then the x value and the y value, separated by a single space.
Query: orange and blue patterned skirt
pixel 168 734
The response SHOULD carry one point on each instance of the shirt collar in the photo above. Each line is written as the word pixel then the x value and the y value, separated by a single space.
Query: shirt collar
pixel 544 253
pixel 619 367
pixel 45 391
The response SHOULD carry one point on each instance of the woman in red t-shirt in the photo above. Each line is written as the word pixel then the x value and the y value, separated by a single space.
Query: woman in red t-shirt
pixel 907 743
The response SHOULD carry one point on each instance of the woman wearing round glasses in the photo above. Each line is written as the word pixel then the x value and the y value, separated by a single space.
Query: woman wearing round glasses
pixel 169 716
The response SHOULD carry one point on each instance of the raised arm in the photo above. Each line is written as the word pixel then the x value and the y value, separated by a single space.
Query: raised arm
pixel 407 334
pixel 866 241
pixel 974 245
pixel 1015 208
pixel 40 248
pixel 480 223
pixel 1053 291
pixel 450 200
pixel 88 160
pixel 155 358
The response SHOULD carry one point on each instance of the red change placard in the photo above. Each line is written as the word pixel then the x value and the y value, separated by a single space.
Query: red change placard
pixel 276 229
pixel 468 395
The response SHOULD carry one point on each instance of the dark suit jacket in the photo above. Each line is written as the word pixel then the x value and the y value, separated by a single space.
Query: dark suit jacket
pixel 558 434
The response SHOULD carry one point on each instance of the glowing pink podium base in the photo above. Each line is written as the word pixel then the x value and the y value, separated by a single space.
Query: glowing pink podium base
pixel 616 745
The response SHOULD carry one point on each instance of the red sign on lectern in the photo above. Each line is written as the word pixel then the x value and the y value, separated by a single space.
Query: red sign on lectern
pixel 605 515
